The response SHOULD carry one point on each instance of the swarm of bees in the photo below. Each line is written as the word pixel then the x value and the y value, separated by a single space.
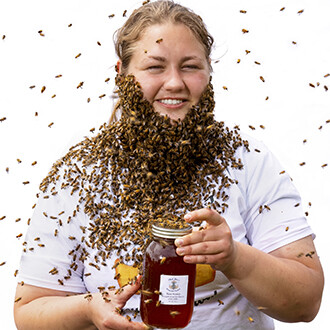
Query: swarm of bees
pixel 147 169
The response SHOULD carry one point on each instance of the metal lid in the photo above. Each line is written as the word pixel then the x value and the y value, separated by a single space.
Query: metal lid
pixel 171 233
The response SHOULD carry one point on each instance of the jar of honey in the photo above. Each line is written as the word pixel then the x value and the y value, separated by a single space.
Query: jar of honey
pixel 168 287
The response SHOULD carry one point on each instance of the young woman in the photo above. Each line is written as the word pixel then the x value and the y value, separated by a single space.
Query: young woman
pixel 165 156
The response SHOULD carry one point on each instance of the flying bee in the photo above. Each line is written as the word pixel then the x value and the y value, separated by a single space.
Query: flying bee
pixel 225 88
pixel 238 60
pixel 256 62
pixel 2 263
pixel 101 96
pixel 312 85
pixel 302 163
pixel 324 165
pixel 124 13
pixel 78 55
pixel 51 124
pixel 287 228
pixel 262 78
pixel 60 282
pixel 19 235
pixel 34 163
pixel 80 85
pixel 247 52
pixel 43 88
pixel 300 11
pixel 245 31
pixel 88 297
pixel 111 15
pixel 252 127
pixel 220 302
pixel 243 11
pixel 58 76
pixel 98 43
pixel 88 99
pixel 326 88
pixel 3 37
pixel 3 119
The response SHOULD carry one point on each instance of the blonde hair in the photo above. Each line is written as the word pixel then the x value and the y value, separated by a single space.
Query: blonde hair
pixel 158 12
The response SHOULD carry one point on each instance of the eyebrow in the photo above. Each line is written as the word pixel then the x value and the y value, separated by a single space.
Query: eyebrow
pixel 162 59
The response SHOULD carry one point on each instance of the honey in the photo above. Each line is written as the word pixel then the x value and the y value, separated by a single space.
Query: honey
pixel 168 289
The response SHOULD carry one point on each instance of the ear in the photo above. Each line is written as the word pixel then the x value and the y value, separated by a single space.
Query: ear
pixel 118 67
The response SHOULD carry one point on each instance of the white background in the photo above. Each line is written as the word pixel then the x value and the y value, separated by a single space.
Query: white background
pixel 294 111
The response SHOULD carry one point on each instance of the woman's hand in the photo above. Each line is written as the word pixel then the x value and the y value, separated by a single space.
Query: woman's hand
pixel 212 245
pixel 105 309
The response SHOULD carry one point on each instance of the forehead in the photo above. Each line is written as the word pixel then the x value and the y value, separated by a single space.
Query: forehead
pixel 169 37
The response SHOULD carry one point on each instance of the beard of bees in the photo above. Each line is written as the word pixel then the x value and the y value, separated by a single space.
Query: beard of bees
pixel 146 168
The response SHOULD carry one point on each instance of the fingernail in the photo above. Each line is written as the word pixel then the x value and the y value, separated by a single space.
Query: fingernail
pixel 180 251
pixel 187 216
pixel 178 242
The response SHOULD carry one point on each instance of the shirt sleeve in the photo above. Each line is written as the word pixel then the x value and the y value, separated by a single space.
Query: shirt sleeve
pixel 274 216
pixel 50 257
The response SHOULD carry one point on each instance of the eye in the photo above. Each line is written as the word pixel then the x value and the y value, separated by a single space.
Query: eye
pixel 154 67
pixel 190 66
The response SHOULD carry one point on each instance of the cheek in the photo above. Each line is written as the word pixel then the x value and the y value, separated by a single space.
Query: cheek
pixel 149 87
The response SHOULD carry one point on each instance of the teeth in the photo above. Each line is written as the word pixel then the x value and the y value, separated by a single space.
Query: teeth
pixel 171 101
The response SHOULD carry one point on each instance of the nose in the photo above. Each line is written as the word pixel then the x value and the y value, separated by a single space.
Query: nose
pixel 174 80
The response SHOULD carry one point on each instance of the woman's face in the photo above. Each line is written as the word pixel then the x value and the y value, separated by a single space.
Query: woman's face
pixel 171 67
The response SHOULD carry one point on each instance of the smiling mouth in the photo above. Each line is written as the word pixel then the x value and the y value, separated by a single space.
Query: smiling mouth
pixel 171 101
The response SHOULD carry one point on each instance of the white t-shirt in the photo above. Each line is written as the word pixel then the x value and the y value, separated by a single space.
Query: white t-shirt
pixel 262 212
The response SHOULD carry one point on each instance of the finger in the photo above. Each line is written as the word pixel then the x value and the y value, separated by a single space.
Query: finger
pixel 202 248
pixel 129 290
pixel 212 217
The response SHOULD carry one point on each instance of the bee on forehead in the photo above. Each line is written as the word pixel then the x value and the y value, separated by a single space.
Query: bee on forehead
pixel 158 41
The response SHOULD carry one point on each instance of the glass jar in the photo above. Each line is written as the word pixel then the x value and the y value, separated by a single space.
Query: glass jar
pixel 168 287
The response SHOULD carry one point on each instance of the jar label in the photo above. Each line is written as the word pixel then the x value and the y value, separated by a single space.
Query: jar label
pixel 174 289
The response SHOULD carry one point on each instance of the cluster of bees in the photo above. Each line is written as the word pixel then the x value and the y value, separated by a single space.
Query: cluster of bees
pixel 145 169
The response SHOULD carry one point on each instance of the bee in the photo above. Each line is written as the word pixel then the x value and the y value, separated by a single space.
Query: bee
pixel 34 163
pixel 148 301
pixel 294 42
pixel 53 271
pixel 305 140
pixel 128 318
pixel 243 11
pixel 58 76
pixel 32 86
pixel 325 87
pixel 310 254
pixel 107 80
pixel 88 297
pixel 2 263
pixel 260 209
pixel 41 33
pixel 98 43
pixel 262 78
pixel 302 163
pixel 312 85
pixel 282 8
pixel 3 37
pixel 111 15
pixel 162 260
pixel 300 11
pixel 3 119
pixel 145 2
pixel 18 161
pixel 174 313
pixel 252 127
pixel 324 165
pixel 262 126
pixel 18 220
pixel 69 25
pixel 80 85
pixel 225 88
pixel 250 319
pixel 247 52
pixel 146 292
pixel 267 207
pixel 51 124
pixel 287 228
pixel 267 98
pixel 19 235
pixel 41 245
pixel 158 303
pixel 26 182
pixel 245 31
pixel 220 302
pixel 7 169
pixel 16 272
pixel 88 99
pixel 158 41
pixel 60 282
pixel 101 96
pixel 18 299
pixel 36 114
pixel 124 13
pixel 43 88
pixel 78 55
